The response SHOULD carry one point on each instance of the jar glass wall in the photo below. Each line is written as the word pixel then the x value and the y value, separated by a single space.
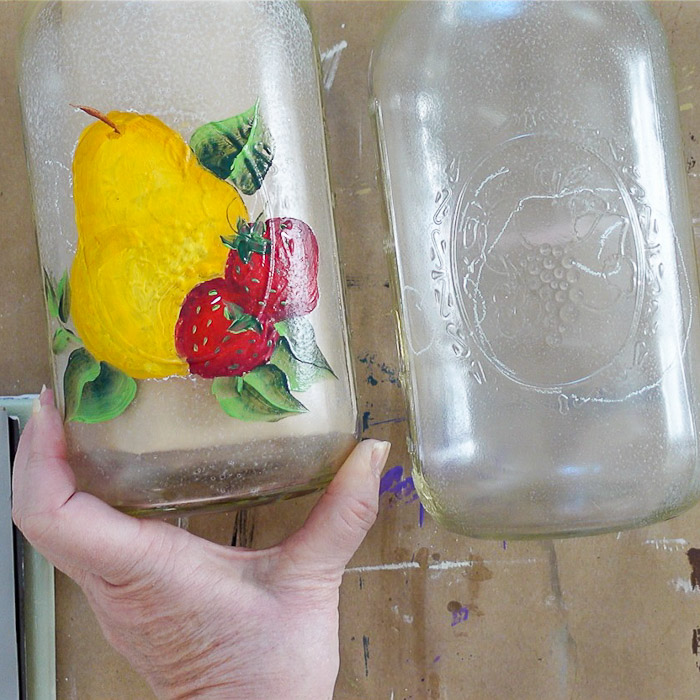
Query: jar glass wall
pixel 544 264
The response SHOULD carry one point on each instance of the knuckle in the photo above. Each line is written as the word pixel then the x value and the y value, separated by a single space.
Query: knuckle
pixel 359 514
pixel 34 526
pixel 18 517
pixel 154 559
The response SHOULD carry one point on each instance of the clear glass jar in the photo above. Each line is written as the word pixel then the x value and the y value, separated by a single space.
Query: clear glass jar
pixel 545 270
pixel 178 166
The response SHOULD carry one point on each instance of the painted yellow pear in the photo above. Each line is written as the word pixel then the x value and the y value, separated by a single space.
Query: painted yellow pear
pixel 149 220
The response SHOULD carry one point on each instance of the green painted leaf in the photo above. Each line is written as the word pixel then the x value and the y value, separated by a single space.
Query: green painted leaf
pixel 271 383
pixel 260 395
pixel 240 320
pixel 239 149
pixel 301 375
pixel 240 402
pixel 50 292
pixel 248 239
pixel 63 298
pixel 95 391
pixel 251 165
pixel 301 338
pixel 61 338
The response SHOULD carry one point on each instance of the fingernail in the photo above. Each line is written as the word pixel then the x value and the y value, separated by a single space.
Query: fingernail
pixel 378 458
pixel 41 400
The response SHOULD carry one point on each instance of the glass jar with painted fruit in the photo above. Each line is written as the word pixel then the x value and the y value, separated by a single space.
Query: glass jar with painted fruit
pixel 183 215
pixel 544 264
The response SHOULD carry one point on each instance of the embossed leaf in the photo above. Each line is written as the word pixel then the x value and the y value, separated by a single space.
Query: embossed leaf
pixel 239 149
pixel 95 391
pixel 260 395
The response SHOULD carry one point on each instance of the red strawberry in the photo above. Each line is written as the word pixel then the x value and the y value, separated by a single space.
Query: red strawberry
pixel 215 335
pixel 275 265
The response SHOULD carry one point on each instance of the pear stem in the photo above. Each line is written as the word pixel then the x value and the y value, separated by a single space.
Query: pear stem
pixel 98 115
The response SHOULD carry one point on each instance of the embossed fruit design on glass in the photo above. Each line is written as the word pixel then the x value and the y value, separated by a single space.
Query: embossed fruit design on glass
pixel 544 265
pixel 178 167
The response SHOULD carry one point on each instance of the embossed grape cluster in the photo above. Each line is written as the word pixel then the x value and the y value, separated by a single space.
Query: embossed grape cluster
pixel 550 275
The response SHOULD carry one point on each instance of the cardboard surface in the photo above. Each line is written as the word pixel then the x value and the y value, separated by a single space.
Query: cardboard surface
pixel 424 614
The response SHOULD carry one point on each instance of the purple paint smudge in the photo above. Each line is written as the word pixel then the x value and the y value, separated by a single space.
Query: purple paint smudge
pixel 393 482
pixel 390 479
pixel 458 616
pixel 402 489
pixel 436 659
pixel 505 544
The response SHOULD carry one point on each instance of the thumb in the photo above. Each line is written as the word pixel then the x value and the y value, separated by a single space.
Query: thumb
pixel 340 520
pixel 75 531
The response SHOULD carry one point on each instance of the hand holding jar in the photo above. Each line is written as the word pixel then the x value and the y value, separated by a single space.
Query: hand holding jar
pixel 198 619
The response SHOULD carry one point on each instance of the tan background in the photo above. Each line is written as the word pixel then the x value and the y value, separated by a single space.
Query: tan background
pixel 424 614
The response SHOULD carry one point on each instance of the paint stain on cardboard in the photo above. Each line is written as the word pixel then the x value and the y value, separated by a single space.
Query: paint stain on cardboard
pixel 476 574
pixel 401 490
pixel 397 485
pixel 365 652
pixel 696 646
pixel 368 422
pixel 694 559
pixel 418 597
pixel 460 613
pixel 378 371
pixel 421 556
pixel 693 555
pixel 433 689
